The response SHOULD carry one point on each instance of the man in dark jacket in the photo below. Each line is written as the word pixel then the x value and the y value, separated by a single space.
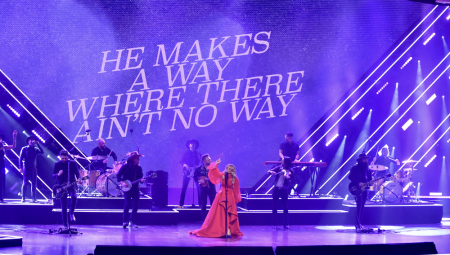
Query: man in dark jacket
pixel 360 174
pixel 207 188
pixel 27 166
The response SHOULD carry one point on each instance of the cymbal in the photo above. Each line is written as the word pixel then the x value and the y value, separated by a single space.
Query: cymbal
pixel 378 167
pixel 98 157
pixel 409 161
pixel 126 154
pixel 409 169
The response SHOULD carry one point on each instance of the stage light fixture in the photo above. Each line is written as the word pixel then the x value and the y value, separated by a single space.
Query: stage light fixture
pixel 13 110
pixel 431 99
pixel 406 62
pixel 6 170
pixel 407 124
pixel 430 160
pixel 332 139
pixel 370 75
pixel 312 160
pixel 429 38
pixel 448 17
pixel 38 136
pixel 435 193
pixel 378 92
pixel 357 113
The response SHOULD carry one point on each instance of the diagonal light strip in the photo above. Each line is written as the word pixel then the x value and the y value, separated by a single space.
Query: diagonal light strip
pixel 22 175
pixel 407 110
pixel 57 128
pixel 369 76
pixel 432 146
pixel 434 131
pixel 38 121
pixel 371 85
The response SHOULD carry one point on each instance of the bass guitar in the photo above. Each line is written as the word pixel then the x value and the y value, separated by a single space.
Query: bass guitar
pixel 61 189
pixel 189 171
pixel 203 180
pixel 129 184
pixel 355 189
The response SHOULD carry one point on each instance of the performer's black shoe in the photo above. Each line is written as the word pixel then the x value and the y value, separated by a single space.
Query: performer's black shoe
pixel 34 201
pixel 132 225
pixel 22 201
pixel 274 226
pixel 286 226
pixel 125 224
pixel 72 217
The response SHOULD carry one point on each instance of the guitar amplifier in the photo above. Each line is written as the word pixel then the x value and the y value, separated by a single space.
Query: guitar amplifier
pixel 162 177
pixel 160 194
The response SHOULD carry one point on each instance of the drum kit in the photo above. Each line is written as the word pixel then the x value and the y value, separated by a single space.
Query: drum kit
pixel 398 188
pixel 102 179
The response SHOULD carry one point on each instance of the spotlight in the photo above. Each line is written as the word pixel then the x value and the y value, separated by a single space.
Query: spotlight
pixel 407 124
pixel 429 161
pixel 378 92
pixel 431 99
pixel 448 18
pixel 357 113
pixel 38 136
pixel 332 139
pixel 13 110
pixel 407 61
pixel 429 38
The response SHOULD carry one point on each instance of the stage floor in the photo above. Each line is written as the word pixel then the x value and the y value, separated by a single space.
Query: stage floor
pixel 36 239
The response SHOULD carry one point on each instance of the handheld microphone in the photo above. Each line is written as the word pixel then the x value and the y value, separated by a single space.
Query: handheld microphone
pixel 131 130
pixel 88 130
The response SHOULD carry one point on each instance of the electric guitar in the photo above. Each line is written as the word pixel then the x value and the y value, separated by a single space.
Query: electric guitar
pixel 357 190
pixel 203 180
pixel 189 171
pixel 130 183
pixel 61 189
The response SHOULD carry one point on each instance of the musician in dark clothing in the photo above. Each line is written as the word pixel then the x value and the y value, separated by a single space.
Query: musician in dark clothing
pixel 102 150
pixel 283 183
pixel 190 160
pixel 360 173
pixel 384 160
pixel 27 166
pixel 207 189
pixel 289 148
pixel 131 171
pixel 3 148
pixel 61 172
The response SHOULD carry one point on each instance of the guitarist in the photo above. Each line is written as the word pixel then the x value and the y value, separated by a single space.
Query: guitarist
pixel 131 171
pixel 360 173
pixel 207 189
pixel 191 159
pixel 61 171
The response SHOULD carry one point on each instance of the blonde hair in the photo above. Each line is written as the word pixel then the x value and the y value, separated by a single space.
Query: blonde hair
pixel 233 173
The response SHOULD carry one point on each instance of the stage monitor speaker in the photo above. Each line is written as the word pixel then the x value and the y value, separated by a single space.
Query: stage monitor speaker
pixel 215 250
pixel 162 177
pixel 160 194
pixel 395 248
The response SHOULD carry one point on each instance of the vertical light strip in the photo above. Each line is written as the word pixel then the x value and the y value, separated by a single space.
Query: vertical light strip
pixel 371 74
pixel 38 122
pixel 407 110
pixel 371 85
pixel 57 128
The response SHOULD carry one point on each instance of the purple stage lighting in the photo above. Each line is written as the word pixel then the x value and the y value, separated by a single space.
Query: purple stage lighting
pixel 429 38
pixel 358 113
pixel 406 62
pixel 38 136
pixel 407 124
pixel 430 160
pixel 332 139
pixel 13 110
pixel 431 99
pixel 378 92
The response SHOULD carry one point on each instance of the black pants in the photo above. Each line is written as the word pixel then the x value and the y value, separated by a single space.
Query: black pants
pixel 277 193
pixel 29 174
pixel 186 181
pixel 73 204
pixel 360 202
pixel 205 192
pixel 131 197
pixel 2 182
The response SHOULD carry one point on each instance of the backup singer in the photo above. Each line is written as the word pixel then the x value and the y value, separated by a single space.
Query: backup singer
pixel 207 188
pixel 214 224
pixel 131 171
pixel 289 148
pixel 102 150
pixel 3 148
pixel 61 172
pixel 360 173
pixel 284 180
pixel 27 166
pixel 190 160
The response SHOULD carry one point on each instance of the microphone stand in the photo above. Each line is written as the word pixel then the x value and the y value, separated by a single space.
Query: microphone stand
pixel 137 145
pixel 226 205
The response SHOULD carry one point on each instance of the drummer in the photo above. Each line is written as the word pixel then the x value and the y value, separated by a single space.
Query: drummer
pixel 103 151
pixel 384 160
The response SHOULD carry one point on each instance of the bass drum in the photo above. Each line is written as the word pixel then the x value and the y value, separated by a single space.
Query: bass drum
pixel 107 183
pixel 391 191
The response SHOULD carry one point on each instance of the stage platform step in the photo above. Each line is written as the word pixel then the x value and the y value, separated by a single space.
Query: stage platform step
pixel 397 214
pixel 264 202
pixel 10 241
pixel 105 203
pixel 114 217
pixel 15 212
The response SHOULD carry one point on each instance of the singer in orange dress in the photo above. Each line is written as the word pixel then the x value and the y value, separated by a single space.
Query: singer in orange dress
pixel 214 224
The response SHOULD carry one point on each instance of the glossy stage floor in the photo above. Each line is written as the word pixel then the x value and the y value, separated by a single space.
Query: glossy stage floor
pixel 37 240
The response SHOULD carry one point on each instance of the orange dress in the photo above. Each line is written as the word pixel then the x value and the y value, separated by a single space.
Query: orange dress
pixel 214 224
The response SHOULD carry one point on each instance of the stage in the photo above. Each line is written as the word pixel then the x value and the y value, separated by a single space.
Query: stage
pixel 36 239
